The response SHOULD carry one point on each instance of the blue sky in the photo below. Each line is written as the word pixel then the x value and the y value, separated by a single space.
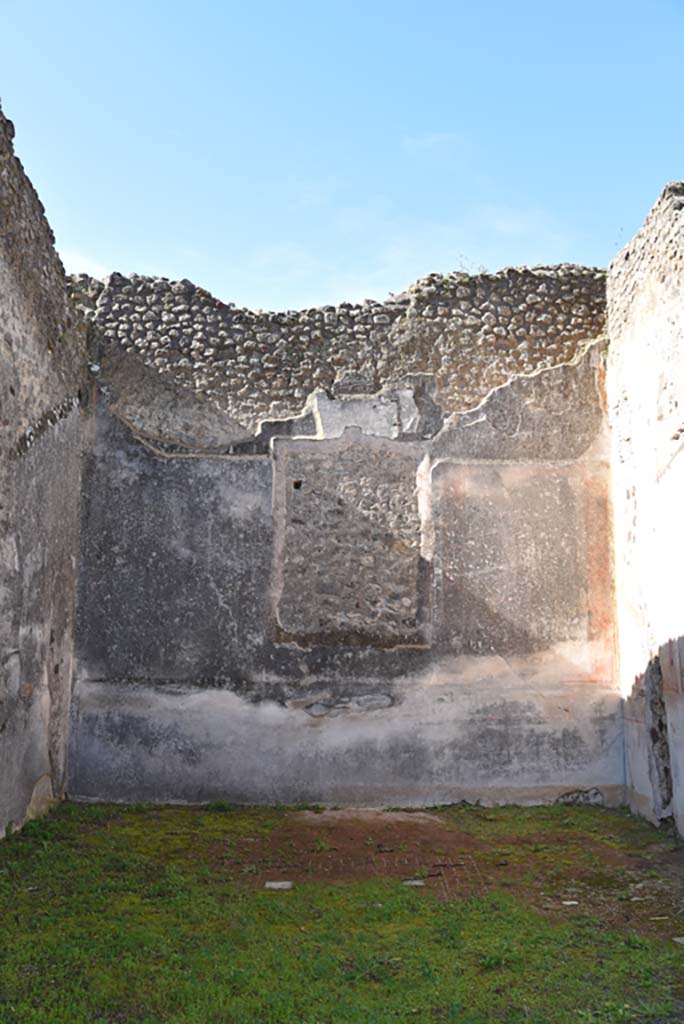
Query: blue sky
pixel 292 154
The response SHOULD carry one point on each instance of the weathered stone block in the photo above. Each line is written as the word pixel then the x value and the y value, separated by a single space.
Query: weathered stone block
pixel 347 564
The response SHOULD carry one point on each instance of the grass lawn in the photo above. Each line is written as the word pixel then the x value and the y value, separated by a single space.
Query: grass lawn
pixel 145 914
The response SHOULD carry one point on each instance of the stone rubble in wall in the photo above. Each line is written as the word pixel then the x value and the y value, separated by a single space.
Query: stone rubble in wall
pixel 471 333
pixel 42 369
pixel 343 510
pixel 47 420
pixel 656 251
pixel 33 379
pixel 360 704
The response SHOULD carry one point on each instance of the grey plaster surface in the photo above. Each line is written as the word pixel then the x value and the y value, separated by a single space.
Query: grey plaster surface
pixel 237 632
pixel 42 359
pixel 513 565
pixel 504 732
pixel 36 695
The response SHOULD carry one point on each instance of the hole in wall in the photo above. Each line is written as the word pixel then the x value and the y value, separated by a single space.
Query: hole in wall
pixel 297 484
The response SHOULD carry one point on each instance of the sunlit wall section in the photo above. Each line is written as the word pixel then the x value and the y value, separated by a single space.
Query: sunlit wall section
pixel 645 383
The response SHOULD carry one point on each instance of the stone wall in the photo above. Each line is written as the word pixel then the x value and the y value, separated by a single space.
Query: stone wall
pixel 646 391
pixel 468 334
pixel 357 554
pixel 352 555
pixel 42 359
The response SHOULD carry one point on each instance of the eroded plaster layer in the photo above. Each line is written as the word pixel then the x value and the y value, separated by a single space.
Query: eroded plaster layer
pixel 384 600
pixel 468 334
pixel 521 561
pixel 355 554
pixel 491 733
pixel 646 393
pixel 42 359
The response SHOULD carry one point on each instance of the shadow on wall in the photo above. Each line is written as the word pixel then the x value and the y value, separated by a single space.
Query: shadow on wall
pixel 654 730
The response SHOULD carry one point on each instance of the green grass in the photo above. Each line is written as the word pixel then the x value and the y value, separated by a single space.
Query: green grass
pixel 615 827
pixel 111 915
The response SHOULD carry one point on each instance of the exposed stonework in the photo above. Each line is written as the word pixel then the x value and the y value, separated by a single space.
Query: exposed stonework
pixel 355 554
pixel 427 588
pixel 386 521
pixel 42 361
pixel 470 334
pixel 554 415
pixel 347 548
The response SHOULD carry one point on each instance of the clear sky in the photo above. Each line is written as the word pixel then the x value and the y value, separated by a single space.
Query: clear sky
pixel 296 153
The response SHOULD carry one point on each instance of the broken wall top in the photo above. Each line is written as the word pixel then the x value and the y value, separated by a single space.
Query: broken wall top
pixel 42 338
pixel 655 256
pixel 645 286
pixel 178 363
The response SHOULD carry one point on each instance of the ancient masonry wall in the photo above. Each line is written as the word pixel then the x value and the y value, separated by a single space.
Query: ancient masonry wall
pixel 646 393
pixel 358 554
pixel 42 358
pixel 241 369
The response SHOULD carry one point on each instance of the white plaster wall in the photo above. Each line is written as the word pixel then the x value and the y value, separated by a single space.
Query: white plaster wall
pixel 645 385
pixel 480 730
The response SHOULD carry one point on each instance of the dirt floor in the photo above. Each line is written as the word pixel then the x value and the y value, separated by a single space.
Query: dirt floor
pixel 627 876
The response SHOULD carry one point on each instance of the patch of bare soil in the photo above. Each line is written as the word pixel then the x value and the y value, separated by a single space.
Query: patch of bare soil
pixel 558 873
